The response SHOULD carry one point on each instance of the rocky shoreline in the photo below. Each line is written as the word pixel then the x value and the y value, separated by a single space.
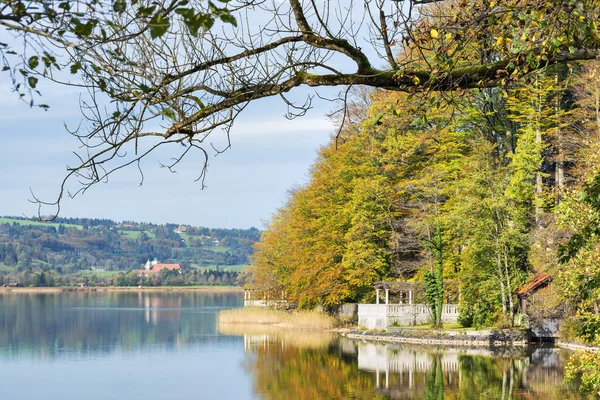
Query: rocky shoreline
pixel 486 338
pixel 469 338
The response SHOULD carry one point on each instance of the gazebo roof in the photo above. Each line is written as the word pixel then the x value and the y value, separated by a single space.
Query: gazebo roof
pixel 405 285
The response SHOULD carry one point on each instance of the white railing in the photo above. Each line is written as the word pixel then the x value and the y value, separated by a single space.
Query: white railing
pixel 397 310
pixel 376 310
pixel 381 315
pixel 265 303
pixel 255 303
pixel 450 309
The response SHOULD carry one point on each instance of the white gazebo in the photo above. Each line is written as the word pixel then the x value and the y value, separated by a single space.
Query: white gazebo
pixel 404 311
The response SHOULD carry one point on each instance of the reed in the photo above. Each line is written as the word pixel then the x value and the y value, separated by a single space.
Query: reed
pixel 275 334
pixel 304 320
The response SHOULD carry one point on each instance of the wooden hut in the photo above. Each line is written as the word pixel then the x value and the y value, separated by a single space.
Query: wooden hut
pixel 536 288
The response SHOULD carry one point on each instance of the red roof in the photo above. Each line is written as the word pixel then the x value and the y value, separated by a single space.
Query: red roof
pixel 533 284
pixel 146 272
pixel 158 267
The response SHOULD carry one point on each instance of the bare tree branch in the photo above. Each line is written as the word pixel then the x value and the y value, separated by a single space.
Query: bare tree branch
pixel 148 89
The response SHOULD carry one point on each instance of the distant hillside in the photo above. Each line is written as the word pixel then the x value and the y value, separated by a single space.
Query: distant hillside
pixel 68 245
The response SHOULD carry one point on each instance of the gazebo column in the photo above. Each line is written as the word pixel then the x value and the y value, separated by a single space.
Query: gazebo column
pixel 387 296
pixel 377 294
pixel 410 297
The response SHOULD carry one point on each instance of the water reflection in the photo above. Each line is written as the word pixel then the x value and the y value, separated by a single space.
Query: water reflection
pixel 91 338
pixel 82 323
pixel 296 365
pixel 410 372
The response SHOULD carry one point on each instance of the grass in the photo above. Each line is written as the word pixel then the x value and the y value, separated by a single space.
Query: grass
pixel 298 320
pixel 5 268
pixel 225 268
pixel 185 237
pixel 135 234
pixel 233 268
pixel 102 274
pixel 218 249
pixel 35 223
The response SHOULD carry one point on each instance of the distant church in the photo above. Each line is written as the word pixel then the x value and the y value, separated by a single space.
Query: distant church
pixel 150 264
pixel 153 267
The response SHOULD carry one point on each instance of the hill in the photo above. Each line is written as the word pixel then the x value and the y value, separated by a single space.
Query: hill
pixel 68 245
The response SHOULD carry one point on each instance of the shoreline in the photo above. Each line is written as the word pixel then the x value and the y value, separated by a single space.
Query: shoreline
pixel 485 338
pixel 574 346
pixel 63 289
pixel 269 319
pixel 473 338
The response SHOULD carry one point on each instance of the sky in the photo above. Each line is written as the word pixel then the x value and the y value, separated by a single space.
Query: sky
pixel 245 185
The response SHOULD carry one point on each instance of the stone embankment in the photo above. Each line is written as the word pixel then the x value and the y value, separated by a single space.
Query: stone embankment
pixel 487 337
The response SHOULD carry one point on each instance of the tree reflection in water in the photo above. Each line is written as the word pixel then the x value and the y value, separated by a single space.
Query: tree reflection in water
pixel 298 365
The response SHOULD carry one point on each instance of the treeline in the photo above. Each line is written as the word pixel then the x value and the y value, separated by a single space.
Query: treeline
pixel 480 188
pixel 215 233
pixel 51 278
pixel 69 220
pixel 68 248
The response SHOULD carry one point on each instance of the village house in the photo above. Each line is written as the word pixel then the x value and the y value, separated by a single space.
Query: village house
pixel 180 229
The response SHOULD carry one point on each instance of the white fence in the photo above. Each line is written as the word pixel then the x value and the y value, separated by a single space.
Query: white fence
pixel 382 316
pixel 255 303
pixel 265 303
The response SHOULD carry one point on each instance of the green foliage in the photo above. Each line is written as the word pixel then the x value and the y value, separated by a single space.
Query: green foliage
pixel 586 367
pixel 434 384
pixel 466 315
pixel 159 24
pixel 589 233
pixel 588 327
pixel 434 280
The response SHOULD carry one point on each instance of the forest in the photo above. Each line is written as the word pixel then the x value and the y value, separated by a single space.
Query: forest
pixel 71 245
pixel 483 187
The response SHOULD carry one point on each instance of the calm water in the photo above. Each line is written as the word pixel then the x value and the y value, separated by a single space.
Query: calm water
pixel 169 346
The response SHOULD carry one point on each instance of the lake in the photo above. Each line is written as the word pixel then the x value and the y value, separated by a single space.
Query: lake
pixel 169 345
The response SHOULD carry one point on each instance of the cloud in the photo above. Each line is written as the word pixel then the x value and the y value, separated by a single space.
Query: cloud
pixel 282 127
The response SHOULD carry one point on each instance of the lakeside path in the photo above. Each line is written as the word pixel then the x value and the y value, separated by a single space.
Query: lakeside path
pixel 232 289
